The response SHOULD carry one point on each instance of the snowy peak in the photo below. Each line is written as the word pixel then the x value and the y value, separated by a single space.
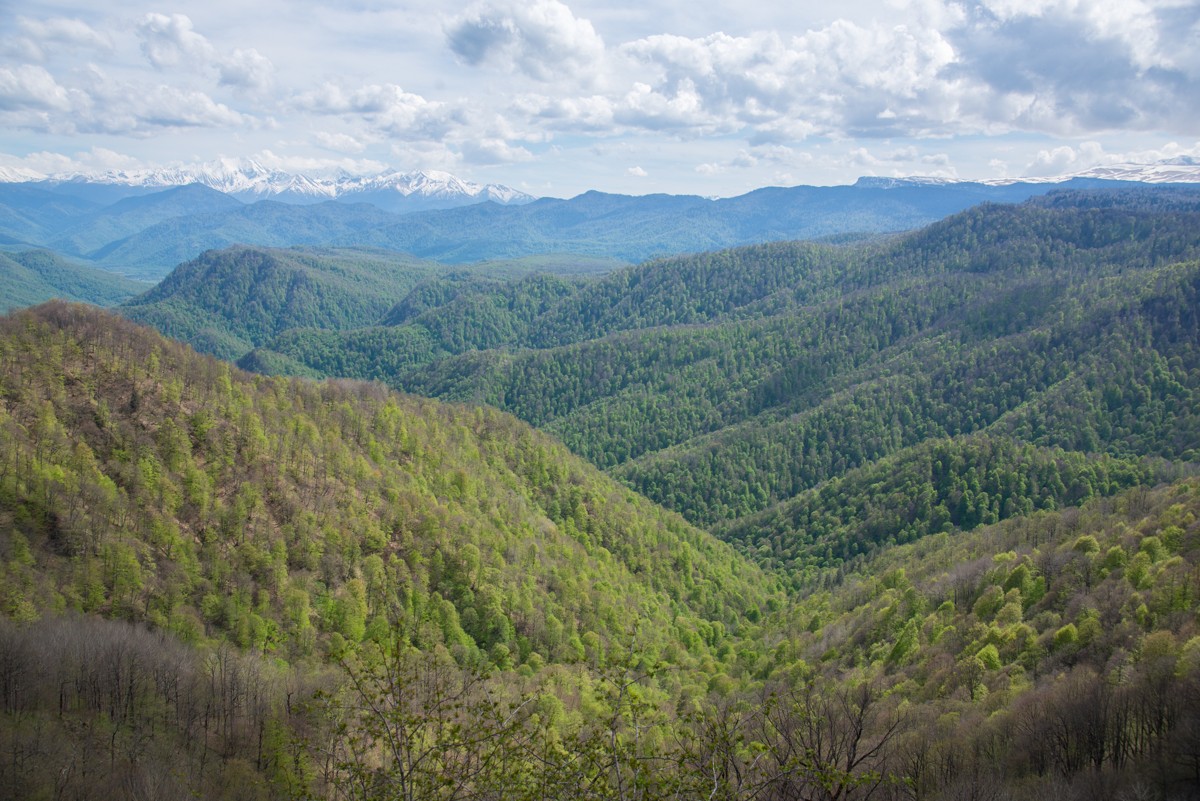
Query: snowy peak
pixel 1180 170
pixel 428 183
pixel 250 180
pixel 1183 170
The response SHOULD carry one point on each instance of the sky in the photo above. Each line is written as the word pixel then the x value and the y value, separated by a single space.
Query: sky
pixel 555 98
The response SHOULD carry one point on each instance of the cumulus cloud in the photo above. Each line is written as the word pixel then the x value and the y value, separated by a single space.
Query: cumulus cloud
pixel 168 41
pixel 171 107
pixel 983 66
pixel 31 98
pixel 841 78
pixel 1067 67
pixel 31 88
pixel 492 151
pixel 636 172
pixel 247 69
pixel 542 39
pixel 387 107
pixel 171 41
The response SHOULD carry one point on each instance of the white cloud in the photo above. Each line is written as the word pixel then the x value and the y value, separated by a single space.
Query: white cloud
pixel 342 143
pixel 833 80
pixel 694 89
pixel 171 41
pixel 31 88
pixel 492 151
pixel 987 66
pixel 1067 159
pixel 542 39
pixel 168 107
pixel 636 172
pixel 318 166
pixel 387 107
pixel 30 98
pixel 247 69
pixel 1075 68
pixel 44 34
pixel 43 162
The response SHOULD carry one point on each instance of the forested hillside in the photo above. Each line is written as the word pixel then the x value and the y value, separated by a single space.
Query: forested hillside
pixel 949 481
pixel 35 276
pixel 724 384
pixel 228 586
pixel 284 514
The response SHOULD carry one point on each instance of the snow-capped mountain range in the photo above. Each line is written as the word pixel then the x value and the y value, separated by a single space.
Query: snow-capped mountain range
pixel 249 180
pixel 1180 170
pixel 1183 170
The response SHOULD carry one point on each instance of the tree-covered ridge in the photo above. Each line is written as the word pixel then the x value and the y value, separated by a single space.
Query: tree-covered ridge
pixel 1137 330
pixel 941 485
pixel 142 481
pixel 769 371
pixel 243 296
pixel 35 276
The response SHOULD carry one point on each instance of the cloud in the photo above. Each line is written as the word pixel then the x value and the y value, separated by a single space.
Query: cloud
pixel 542 39
pixel 32 99
pixel 387 107
pixel 45 163
pixel 170 41
pixel 57 31
pixel 492 151
pixel 31 88
pixel 247 69
pixel 162 107
pixel 342 143
pixel 837 79
pixel 978 67
pixel 591 114
pixel 636 172
pixel 1066 67
pixel 318 166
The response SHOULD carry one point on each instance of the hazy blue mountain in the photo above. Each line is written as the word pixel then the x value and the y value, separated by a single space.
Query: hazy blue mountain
pixel 145 234
pixel 154 251
pixel 642 227
pixel 133 214
pixel 31 215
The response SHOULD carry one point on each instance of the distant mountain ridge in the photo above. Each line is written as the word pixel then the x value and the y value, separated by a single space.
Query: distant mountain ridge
pixel 249 180
pixel 1178 170
pixel 128 223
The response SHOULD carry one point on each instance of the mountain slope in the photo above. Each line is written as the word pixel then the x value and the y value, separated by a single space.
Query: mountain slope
pixel 226 302
pixel 31 277
pixel 291 516
pixel 128 216
pixel 723 384
pixel 152 252
pixel 327 568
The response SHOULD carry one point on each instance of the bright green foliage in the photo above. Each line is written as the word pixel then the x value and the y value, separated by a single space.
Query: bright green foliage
pixel 150 482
